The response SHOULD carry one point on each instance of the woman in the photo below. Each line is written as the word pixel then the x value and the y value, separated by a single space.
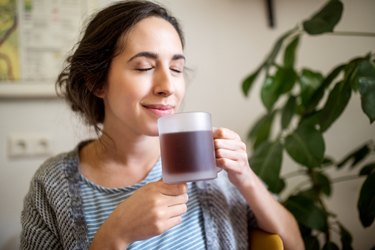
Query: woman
pixel 127 71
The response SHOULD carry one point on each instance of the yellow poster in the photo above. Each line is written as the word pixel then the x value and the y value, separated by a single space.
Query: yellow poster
pixel 9 49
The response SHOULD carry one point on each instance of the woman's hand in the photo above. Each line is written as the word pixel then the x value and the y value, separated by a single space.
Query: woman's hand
pixel 231 156
pixel 150 211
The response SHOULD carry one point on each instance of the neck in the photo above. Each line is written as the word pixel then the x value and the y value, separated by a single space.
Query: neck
pixel 124 151
pixel 119 161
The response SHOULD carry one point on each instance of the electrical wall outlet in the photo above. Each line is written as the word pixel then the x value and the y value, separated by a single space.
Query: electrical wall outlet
pixel 22 145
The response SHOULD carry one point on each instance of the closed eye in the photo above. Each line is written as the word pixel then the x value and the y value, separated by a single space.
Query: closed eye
pixel 144 69
pixel 176 70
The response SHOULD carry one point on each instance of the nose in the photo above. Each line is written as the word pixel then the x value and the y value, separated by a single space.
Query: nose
pixel 163 83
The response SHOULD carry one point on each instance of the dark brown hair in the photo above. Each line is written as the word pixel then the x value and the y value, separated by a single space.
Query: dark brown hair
pixel 87 68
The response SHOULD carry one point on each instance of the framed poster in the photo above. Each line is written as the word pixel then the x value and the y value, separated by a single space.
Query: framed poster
pixel 35 38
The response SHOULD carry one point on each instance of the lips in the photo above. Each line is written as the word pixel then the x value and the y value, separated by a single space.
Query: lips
pixel 159 109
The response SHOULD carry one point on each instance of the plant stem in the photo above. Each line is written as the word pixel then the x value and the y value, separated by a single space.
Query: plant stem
pixel 352 33
pixel 315 186
pixel 333 229
pixel 294 173
pixel 346 178
pixel 298 188
pixel 324 207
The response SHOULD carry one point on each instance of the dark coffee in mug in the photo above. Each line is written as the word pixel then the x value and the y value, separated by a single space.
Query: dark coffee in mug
pixel 187 152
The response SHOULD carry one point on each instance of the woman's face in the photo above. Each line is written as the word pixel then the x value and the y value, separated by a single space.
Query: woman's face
pixel 146 80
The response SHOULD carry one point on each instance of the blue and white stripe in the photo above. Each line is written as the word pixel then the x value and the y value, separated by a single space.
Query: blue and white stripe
pixel 99 202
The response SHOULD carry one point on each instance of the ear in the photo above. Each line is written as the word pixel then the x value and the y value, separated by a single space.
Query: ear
pixel 96 88
pixel 100 92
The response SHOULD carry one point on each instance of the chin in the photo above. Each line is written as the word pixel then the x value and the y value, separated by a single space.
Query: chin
pixel 152 132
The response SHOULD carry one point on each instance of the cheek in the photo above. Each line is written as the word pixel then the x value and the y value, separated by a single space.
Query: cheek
pixel 181 88
pixel 127 87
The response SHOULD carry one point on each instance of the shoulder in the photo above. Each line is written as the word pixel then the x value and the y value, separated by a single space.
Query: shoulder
pixel 54 179
pixel 57 165
pixel 59 171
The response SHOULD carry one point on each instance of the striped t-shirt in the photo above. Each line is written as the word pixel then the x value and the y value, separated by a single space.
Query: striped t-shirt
pixel 99 202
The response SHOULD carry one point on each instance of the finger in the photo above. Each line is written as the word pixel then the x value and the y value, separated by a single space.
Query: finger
pixel 171 201
pixel 172 189
pixel 182 199
pixel 224 133
pixel 167 212
pixel 159 226
pixel 230 144
pixel 172 222
pixel 229 165
pixel 177 210
pixel 238 156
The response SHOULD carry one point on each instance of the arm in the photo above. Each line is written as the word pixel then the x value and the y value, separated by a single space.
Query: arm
pixel 271 216
pixel 38 221
pixel 150 211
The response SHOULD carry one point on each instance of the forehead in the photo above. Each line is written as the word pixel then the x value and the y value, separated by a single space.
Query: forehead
pixel 154 34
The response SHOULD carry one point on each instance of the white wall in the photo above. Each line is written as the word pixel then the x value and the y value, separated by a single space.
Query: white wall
pixel 226 39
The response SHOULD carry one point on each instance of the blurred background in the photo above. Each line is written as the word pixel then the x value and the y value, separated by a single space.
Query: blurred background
pixel 225 41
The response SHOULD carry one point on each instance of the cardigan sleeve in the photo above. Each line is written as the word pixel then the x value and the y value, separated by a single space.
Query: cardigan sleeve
pixel 52 216
pixel 38 221
pixel 226 215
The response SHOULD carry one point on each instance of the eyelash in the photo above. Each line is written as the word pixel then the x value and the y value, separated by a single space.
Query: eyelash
pixel 144 69
pixel 177 71
pixel 147 69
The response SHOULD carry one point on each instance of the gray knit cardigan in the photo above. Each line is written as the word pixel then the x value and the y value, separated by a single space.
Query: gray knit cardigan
pixel 52 217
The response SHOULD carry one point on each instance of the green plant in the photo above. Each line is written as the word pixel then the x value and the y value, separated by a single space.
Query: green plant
pixel 307 103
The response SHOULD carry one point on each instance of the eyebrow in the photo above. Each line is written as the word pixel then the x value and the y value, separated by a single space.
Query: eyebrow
pixel 154 56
